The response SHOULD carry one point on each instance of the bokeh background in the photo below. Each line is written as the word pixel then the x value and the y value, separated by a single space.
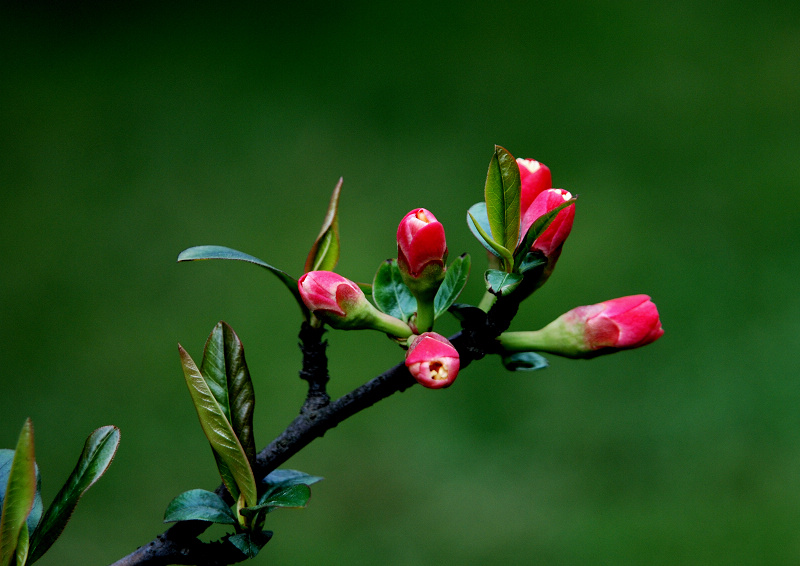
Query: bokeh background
pixel 130 131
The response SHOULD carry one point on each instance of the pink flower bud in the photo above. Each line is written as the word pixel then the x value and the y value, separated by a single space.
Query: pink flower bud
pixel 432 360
pixel 329 294
pixel 624 323
pixel 420 244
pixel 535 178
pixel 553 238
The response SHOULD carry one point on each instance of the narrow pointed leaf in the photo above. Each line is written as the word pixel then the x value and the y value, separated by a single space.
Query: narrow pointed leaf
pixel 221 252
pixel 200 505
pixel 537 229
pixel 502 194
pixel 497 249
pixel 501 283
pixel 225 371
pixel 532 260
pixel 19 495
pixel 455 279
pixel 6 457
pixel 219 432
pixel 390 294
pixel 98 453
pixel 324 254
pixel 524 361
pixel 23 545
pixel 291 496
pixel 250 543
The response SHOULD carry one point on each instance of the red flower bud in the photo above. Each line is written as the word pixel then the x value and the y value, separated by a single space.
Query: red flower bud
pixel 535 178
pixel 553 238
pixel 432 360
pixel 420 243
pixel 328 293
pixel 624 323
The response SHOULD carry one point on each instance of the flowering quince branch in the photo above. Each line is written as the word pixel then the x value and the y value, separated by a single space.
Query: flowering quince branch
pixel 523 224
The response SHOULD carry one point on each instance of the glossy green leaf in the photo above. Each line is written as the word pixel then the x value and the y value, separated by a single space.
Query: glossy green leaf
pixel 221 252
pixel 292 496
pixel 6 457
pixel 279 479
pixel 501 283
pixel 476 216
pixel 250 543
pixel 200 505
pixel 225 371
pixel 97 455
pixel 537 229
pixel 23 545
pixel 524 361
pixel 390 294
pixel 324 254
pixel 502 194
pixel 19 497
pixel 220 433
pixel 532 261
pixel 455 278
pixel 486 239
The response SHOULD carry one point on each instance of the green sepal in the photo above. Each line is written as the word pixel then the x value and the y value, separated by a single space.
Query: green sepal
pixel 391 295
pixel 455 278
pixel 250 543
pixel 524 361
pixel 19 497
pixel 498 249
pixel 324 254
pixel 501 283
pixel 219 433
pixel 199 505
pixel 97 455
pixel 537 229
pixel 225 371
pixel 502 193
pixel 221 252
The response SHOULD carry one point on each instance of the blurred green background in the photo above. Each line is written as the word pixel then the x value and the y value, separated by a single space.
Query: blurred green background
pixel 130 132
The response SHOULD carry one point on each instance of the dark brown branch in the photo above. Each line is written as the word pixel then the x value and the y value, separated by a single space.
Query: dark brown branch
pixel 179 544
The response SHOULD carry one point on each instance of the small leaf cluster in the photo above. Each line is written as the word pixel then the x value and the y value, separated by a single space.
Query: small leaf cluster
pixel 25 532
pixel 223 396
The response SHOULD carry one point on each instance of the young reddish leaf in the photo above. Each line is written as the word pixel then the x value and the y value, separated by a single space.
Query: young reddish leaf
pixel 19 497
pixel 219 432
pixel 324 254
pixel 98 453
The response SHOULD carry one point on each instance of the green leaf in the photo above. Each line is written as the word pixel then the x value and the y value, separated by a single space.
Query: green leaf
pixel 390 294
pixel 278 479
pixel 200 505
pixel 292 496
pixel 524 361
pixel 97 455
pixel 537 229
pixel 532 260
pixel 250 543
pixel 23 545
pixel 19 497
pixel 497 249
pixel 221 252
pixel 501 283
pixel 219 432
pixel 502 194
pixel 476 216
pixel 225 371
pixel 455 278
pixel 324 254
pixel 6 457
